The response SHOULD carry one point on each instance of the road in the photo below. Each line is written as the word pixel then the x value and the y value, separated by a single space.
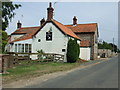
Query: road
pixel 102 75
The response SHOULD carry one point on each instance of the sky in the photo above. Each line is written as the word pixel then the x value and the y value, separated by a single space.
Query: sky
pixel 105 14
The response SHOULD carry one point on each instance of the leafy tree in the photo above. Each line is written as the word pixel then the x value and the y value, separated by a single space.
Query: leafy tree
pixel 8 13
pixel 115 47
pixel 3 40
pixel 72 51
pixel 106 45
pixel 118 50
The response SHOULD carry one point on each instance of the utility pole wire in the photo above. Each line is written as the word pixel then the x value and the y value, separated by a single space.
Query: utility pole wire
pixel 21 18
pixel 54 8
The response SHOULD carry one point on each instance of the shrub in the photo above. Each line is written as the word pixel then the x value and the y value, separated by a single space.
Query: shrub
pixel 73 51
pixel 40 54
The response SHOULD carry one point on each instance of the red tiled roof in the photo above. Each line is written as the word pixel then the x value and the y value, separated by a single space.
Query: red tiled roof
pixel 84 43
pixel 83 27
pixel 28 31
pixel 66 30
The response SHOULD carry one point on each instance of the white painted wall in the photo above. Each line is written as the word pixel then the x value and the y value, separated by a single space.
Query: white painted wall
pixel 85 53
pixel 59 40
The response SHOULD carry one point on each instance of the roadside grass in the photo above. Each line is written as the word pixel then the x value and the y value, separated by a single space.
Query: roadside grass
pixel 34 70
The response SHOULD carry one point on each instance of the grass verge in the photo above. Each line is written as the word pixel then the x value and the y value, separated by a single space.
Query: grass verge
pixel 35 70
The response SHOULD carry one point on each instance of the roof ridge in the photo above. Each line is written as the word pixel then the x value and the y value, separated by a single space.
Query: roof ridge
pixel 28 27
pixel 81 24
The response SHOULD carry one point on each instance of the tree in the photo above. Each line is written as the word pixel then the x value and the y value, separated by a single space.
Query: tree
pixel 72 51
pixel 114 46
pixel 106 45
pixel 8 13
pixel 3 40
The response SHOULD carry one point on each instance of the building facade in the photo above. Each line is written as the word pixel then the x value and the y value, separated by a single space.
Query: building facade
pixel 52 37
pixel 87 32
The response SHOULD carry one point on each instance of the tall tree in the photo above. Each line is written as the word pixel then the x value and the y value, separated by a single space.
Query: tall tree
pixel 8 13
pixel 73 51
pixel 3 40
pixel 7 10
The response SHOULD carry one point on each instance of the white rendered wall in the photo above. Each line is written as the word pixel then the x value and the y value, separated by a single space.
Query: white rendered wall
pixel 59 41
pixel 85 53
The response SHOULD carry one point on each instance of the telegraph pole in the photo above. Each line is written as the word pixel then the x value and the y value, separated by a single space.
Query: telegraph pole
pixel 113 45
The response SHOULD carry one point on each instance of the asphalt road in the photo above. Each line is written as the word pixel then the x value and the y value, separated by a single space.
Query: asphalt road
pixel 102 75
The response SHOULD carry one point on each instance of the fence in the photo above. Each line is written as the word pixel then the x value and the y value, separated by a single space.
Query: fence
pixel 12 59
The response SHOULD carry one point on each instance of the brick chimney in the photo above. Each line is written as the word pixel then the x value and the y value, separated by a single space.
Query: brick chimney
pixel 19 25
pixel 50 12
pixel 74 20
pixel 42 21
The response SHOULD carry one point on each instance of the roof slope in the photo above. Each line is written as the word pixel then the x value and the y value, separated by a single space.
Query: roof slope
pixel 28 31
pixel 65 29
pixel 92 27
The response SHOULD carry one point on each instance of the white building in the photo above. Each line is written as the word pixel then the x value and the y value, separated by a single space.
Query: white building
pixel 52 37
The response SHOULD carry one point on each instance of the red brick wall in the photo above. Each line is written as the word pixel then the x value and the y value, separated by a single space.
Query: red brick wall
pixel 4 62
pixel 90 37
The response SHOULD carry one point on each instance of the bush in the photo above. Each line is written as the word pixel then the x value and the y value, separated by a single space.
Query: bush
pixel 73 51
pixel 40 54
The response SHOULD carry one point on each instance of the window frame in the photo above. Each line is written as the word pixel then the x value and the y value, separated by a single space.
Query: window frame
pixel 50 34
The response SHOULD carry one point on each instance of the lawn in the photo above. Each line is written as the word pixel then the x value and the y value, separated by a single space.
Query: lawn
pixel 35 70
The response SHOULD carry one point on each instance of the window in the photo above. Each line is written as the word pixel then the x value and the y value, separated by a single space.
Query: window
pixel 19 47
pixel 39 40
pixel 22 47
pixel 48 36
pixel 63 50
pixel 15 47
pixel 29 48
pixel 26 48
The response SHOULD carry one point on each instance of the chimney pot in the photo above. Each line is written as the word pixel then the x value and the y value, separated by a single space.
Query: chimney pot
pixel 42 21
pixel 74 20
pixel 19 25
pixel 50 4
pixel 50 12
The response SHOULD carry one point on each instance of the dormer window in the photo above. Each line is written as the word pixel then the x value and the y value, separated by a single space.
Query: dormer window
pixel 49 35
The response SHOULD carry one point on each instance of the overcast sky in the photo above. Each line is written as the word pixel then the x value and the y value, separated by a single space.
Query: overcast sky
pixel 103 13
